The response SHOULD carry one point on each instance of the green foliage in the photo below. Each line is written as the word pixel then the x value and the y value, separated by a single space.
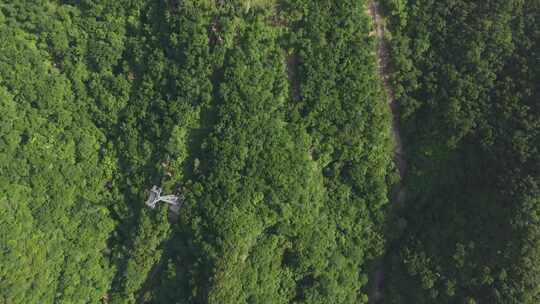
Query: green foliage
pixel 54 217
pixel 343 109
pixel 269 117
pixel 260 188
pixel 465 78
pixel 102 99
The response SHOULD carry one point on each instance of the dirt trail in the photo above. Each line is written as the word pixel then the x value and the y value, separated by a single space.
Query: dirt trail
pixel 384 74
pixel 292 65
pixel 373 10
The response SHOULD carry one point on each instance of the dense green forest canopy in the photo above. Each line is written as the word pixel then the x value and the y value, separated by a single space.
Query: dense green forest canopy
pixel 270 119
pixel 467 78
pixel 267 117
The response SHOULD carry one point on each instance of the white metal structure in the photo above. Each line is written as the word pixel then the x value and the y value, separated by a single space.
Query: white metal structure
pixel 155 197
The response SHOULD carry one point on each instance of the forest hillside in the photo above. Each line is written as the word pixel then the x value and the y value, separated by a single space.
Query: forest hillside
pixel 317 154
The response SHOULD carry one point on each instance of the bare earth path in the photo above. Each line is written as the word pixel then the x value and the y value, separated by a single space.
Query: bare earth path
pixel 384 73
pixel 373 10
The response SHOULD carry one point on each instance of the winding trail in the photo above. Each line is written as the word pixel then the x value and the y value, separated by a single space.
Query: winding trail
pixel 383 64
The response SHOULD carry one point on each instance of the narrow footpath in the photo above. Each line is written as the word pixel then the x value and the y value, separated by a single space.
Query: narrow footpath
pixel 373 10
pixel 383 62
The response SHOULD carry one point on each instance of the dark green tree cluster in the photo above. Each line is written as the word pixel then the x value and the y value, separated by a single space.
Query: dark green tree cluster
pixel 466 76
pixel 169 63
